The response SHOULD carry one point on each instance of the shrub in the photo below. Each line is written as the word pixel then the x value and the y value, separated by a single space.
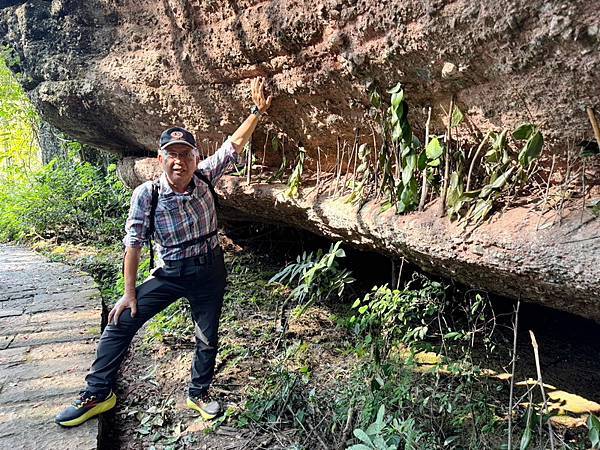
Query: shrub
pixel 316 276
pixel 65 199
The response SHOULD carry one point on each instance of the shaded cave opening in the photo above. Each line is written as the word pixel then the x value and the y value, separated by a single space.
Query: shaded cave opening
pixel 569 345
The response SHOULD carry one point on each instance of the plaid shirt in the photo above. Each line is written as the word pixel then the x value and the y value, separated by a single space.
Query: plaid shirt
pixel 179 217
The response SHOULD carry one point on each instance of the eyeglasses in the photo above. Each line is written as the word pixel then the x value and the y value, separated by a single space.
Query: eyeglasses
pixel 189 154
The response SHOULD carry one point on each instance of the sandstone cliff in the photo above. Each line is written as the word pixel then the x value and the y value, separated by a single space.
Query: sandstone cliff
pixel 114 73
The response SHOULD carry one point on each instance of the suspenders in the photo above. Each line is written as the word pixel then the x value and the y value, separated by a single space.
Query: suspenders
pixel 152 226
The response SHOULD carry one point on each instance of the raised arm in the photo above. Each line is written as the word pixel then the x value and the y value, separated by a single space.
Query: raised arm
pixel 242 135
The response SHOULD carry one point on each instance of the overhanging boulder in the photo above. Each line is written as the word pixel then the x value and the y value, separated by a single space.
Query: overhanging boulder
pixel 558 266
pixel 115 74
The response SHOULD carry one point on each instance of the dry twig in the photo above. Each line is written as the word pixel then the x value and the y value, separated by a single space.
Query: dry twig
pixel 473 161
pixel 541 384
pixel 447 155
pixel 424 180
pixel 347 428
pixel 512 373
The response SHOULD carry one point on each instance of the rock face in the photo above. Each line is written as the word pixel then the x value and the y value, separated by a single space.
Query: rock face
pixel 511 255
pixel 114 74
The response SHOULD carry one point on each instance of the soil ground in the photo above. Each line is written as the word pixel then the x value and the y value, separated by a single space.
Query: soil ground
pixel 255 356
pixel 152 388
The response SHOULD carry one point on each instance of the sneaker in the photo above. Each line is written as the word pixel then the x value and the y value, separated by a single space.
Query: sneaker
pixel 207 409
pixel 85 407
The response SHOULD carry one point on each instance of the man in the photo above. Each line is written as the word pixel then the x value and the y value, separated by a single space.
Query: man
pixel 184 228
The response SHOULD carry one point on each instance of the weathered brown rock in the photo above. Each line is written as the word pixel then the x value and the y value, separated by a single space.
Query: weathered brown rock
pixel 114 74
pixel 558 266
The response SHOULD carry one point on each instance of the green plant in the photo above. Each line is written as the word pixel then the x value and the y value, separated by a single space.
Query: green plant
pixel 363 177
pixel 295 180
pixel 401 185
pixel 18 121
pixel 173 324
pixel 278 175
pixel 66 199
pixel 388 316
pixel 316 276
pixel 593 424
pixel 280 398
pixel 503 174
pixel 377 435
pixel 533 143
pixel 401 158
pixel 595 207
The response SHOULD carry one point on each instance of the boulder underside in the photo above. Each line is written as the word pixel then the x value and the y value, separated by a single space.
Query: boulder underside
pixel 115 74
pixel 510 255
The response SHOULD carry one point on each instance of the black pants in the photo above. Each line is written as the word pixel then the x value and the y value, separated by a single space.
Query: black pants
pixel 202 281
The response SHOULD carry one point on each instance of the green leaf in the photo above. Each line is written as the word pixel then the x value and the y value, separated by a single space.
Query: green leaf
pixel 500 141
pixel 525 439
pixel 360 434
pixel 374 429
pixel 457 116
pixel 409 168
pixel 385 206
pixel 434 163
pixel 594 436
pixel 481 210
pixel 434 149
pixel 422 162
pixel 359 447
pixel 363 309
pixel 453 335
pixel 397 99
pixel 356 303
pixel 397 133
pixel 523 131
pixel 380 414
pixel 593 424
pixel 531 150
pixel 395 89
pixel 472 194
pixel 450 440
pixel 275 143
pixel 375 99
pixel 496 185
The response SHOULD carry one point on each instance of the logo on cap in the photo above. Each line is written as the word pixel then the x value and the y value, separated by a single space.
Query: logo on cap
pixel 176 135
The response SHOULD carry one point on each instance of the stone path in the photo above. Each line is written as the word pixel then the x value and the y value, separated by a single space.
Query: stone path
pixel 49 321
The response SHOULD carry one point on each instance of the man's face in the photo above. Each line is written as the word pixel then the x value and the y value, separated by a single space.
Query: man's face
pixel 179 164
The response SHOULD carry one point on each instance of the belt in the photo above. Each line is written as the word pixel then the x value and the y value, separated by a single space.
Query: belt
pixel 193 261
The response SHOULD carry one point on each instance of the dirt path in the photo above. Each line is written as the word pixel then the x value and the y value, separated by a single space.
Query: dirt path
pixel 49 320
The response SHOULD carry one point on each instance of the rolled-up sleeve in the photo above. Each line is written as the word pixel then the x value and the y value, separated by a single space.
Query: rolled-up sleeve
pixel 138 219
pixel 215 165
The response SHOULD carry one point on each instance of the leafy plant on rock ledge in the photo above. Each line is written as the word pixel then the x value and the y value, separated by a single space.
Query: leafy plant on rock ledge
pixel 398 158
pixel 296 178
pixel 504 172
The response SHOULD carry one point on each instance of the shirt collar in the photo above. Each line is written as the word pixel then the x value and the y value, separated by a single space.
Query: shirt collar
pixel 167 190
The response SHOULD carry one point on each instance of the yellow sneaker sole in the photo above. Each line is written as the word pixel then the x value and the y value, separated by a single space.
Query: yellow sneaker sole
pixel 101 407
pixel 206 416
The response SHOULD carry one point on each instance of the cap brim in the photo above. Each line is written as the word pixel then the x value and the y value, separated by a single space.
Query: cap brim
pixel 177 142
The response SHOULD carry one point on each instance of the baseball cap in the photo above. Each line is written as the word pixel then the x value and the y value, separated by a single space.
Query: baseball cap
pixel 176 135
